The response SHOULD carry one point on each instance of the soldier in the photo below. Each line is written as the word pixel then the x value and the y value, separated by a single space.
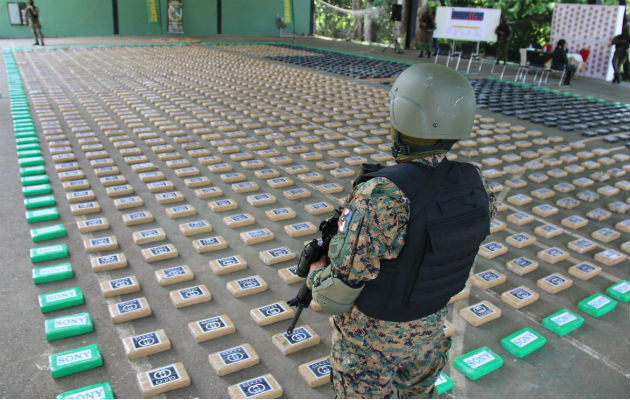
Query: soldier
pixel 426 26
pixel 504 34
pixel 621 53
pixel 31 13
pixel 407 239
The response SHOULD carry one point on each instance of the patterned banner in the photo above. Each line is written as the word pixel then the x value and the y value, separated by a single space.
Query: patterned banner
pixel 153 12
pixel 175 16
pixel 589 27
pixel 287 12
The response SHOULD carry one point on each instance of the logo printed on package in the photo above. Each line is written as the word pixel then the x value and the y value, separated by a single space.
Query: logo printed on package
pixel 191 292
pixel 108 259
pixel 174 271
pixel 120 283
pixel 73 357
pixel 211 324
pixel 234 355
pixel 520 293
pixel 278 252
pixel 128 306
pixel 299 335
pixel 320 368
pixel 227 261
pixel 145 340
pixel 248 283
pixel 481 310
pixel 70 321
pixel 163 375
pixel 254 387
pixel 271 310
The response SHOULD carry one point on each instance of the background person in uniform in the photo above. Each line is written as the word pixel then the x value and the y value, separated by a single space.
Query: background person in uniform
pixel 504 34
pixel 621 53
pixel 426 26
pixel 560 61
pixel 386 283
pixel 31 13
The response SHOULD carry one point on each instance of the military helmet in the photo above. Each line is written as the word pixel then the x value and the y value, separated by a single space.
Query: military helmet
pixel 431 101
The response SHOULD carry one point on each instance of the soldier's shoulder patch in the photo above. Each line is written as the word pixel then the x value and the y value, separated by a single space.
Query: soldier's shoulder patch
pixel 345 218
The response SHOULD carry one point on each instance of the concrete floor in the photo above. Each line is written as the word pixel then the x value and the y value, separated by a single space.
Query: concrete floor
pixel 591 362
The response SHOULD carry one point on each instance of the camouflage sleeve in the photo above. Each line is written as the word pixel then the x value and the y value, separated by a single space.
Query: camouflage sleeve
pixel 492 196
pixel 373 227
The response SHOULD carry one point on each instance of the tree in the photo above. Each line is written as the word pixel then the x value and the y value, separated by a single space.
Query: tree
pixel 357 32
pixel 370 27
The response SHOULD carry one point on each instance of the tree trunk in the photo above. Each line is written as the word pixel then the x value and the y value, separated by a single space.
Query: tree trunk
pixel 357 32
pixel 403 32
pixel 368 23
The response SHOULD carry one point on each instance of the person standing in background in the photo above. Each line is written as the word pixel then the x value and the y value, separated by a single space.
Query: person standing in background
pixel 504 34
pixel 560 61
pixel 31 14
pixel 426 26
pixel 621 53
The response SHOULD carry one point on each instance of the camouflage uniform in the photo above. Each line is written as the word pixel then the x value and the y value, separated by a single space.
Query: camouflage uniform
pixel 372 358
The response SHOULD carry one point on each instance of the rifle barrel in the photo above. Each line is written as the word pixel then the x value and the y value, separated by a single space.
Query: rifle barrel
pixel 295 319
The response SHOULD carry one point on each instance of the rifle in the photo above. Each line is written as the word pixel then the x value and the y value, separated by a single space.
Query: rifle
pixel 312 252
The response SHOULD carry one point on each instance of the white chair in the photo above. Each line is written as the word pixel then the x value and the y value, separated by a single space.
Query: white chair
pixel 444 49
pixel 467 54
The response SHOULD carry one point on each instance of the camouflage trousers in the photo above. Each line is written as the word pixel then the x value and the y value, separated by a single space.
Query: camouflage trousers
pixel 382 359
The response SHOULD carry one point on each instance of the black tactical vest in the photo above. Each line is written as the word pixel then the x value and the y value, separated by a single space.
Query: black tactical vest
pixel 442 240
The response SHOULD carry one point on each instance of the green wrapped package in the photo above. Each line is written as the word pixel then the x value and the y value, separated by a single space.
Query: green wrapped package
pixel 523 342
pixel 99 391
pixel 36 190
pixel 562 322
pixel 27 146
pixel 620 291
pixel 75 360
pixel 35 180
pixel 42 214
pixel 68 325
pixel 48 232
pixel 30 161
pixel 39 201
pixel 21 114
pixel 27 140
pixel 29 153
pixel 478 363
pixel 23 128
pixel 34 170
pixel 52 273
pixel 597 305
pixel 443 383
pixel 60 299
pixel 48 253
pixel 22 135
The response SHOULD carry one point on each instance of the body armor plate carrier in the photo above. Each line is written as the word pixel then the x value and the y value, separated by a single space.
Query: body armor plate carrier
pixel 446 226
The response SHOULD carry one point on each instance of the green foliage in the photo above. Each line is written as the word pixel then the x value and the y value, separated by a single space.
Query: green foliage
pixel 332 23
